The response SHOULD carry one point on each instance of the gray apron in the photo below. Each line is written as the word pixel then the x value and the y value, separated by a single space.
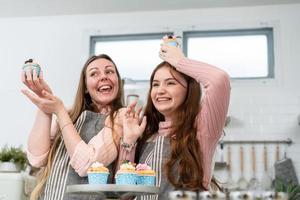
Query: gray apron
pixel 62 174
pixel 155 154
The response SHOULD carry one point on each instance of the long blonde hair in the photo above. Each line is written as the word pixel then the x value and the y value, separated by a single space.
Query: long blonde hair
pixel 82 102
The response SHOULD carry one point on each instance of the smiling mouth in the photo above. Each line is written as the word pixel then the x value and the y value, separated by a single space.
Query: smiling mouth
pixel 105 88
pixel 162 99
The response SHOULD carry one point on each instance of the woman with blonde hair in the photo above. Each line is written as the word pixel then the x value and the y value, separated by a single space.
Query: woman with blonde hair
pixel 186 110
pixel 67 146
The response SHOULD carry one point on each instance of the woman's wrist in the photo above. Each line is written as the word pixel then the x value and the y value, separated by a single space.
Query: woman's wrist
pixel 129 140
pixel 128 146
pixel 61 112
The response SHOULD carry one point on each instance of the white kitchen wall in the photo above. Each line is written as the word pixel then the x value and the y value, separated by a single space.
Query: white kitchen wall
pixel 259 109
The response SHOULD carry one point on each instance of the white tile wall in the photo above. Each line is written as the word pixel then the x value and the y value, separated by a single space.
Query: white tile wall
pixel 270 118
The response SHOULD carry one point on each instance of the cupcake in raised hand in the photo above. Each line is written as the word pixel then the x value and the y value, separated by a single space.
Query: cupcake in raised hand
pixel 145 175
pixel 32 65
pixel 126 175
pixel 97 173
pixel 170 40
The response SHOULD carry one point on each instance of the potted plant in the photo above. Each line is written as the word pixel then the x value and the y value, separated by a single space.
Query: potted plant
pixel 292 189
pixel 12 159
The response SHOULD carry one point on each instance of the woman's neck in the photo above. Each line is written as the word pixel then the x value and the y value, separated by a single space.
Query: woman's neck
pixel 103 109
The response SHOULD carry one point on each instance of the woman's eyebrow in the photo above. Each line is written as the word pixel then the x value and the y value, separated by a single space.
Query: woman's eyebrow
pixel 109 66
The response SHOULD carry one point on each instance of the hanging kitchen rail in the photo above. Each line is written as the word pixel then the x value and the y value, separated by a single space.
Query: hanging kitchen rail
pixel 287 141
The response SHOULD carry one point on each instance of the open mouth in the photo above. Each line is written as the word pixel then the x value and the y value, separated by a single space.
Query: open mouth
pixel 163 99
pixel 105 88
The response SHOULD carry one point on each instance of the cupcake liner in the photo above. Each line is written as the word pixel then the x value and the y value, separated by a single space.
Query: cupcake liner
pixel 126 179
pixel 32 66
pixel 97 178
pixel 146 180
pixel 172 43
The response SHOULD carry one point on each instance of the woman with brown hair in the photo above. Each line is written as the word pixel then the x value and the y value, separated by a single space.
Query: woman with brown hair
pixel 67 146
pixel 186 110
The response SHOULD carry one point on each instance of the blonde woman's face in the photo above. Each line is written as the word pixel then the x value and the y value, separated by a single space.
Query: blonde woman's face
pixel 102 81
pixel 168 91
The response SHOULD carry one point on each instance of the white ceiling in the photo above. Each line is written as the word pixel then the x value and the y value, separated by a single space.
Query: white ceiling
pixel 26 8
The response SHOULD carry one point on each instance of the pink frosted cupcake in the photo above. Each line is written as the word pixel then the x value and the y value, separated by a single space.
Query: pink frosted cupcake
pixel 146 176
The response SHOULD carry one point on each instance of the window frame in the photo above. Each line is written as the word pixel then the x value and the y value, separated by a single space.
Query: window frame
pixel 268 32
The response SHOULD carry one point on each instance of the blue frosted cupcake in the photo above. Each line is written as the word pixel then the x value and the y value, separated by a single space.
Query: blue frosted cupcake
pixel 145 175
pixel 170 40
pixel 126 175
pixel 97 174
pixel 30 65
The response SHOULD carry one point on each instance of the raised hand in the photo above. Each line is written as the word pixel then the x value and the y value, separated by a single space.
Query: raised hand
pixel 34 82
pixel 48 103
pixel 132 127
pixel 171 54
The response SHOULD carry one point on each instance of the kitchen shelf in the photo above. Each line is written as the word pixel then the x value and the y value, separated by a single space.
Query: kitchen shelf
pixel 287 141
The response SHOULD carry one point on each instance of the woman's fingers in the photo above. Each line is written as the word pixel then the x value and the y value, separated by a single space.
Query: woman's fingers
pixel 144 123
pixel 48 95
pixel 139 110
pixel 31 96
pixel 28 75
pixel 133 104
pixel 36 81
pixel 130 110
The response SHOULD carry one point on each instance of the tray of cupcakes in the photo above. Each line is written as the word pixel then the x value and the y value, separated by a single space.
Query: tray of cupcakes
pixel 130 180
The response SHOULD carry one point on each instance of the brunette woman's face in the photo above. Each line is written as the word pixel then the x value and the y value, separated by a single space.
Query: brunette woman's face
pixel 102 81
pixel 168 91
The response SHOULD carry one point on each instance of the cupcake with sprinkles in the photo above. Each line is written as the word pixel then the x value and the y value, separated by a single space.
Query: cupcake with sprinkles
pixel 126 175
pixel 145 175
pixel 97 173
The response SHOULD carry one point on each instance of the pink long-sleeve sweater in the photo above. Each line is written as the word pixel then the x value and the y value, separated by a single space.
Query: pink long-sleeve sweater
pixel 214 106
pixel 100 148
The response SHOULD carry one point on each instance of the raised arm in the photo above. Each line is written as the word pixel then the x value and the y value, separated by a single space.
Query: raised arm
pixel 100 148
pixel 42 133
pixel 215 84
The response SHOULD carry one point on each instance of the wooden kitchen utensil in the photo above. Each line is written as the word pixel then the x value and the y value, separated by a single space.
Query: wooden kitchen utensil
pixel 266 181
pixel 230 184
pixel 242 182
pixel 253 183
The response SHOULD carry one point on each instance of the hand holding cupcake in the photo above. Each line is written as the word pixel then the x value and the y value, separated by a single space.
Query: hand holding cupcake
pixel 31 65
pixel 170 40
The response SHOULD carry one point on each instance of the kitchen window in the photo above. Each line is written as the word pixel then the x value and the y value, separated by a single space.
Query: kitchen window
pixel 135 55
pixel 243 54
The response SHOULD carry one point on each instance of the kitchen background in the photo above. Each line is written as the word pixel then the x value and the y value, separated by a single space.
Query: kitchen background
pixel 259 109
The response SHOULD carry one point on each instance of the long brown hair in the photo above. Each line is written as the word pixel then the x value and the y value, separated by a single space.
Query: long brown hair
pixel 81 103
pixel 184 157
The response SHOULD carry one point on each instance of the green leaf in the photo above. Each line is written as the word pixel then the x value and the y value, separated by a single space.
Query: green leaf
pixel 15 155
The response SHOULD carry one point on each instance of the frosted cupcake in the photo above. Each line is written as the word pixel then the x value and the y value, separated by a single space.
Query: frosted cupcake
pixel 170 40
pixel 145 175
pixel 97 173
pixel 31 65
pixel 126 175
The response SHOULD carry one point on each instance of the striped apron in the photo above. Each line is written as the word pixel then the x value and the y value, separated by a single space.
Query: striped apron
pixel 155 154
pixel 62 174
